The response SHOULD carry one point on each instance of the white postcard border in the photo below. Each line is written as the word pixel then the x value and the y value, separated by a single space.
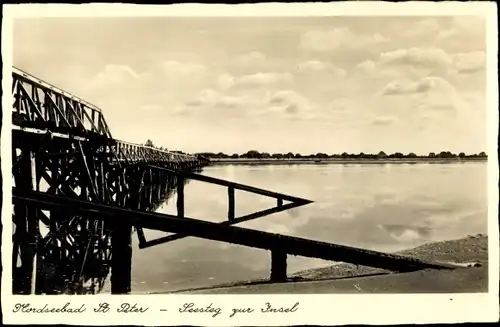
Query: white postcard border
pixel 312 309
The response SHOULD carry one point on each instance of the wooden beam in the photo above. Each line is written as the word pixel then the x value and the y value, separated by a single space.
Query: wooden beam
pixel 225 233
pixel 180 197
pixel 213 180
pixel 85 113
pixel 88 175
pixel 55 106
pixel 255 215
pixel 31 102
pixel 231 204
pixel 75 114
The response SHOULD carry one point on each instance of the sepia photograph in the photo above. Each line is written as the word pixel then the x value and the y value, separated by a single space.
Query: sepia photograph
pixel 331 154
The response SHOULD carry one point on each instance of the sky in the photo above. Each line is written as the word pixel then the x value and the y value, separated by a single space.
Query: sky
pixel 299 84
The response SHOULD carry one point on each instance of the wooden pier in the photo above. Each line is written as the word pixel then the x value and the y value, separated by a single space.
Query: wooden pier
pixel 89 190
pixel 62 145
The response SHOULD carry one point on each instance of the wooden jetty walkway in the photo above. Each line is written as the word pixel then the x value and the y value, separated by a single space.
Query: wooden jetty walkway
pixel 89 190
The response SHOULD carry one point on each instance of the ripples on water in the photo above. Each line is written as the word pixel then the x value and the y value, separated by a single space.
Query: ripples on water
pixel 379 207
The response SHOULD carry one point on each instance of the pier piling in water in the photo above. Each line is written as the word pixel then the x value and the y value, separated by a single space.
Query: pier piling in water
pixel 278 265
pixel 231 205
pixel 121 258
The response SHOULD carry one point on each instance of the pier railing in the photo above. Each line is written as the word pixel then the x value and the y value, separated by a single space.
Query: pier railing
pixel 38 103
pixel 140 153
pixel 45 107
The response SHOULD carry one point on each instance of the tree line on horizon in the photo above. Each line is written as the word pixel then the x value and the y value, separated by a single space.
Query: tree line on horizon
pixel 254 154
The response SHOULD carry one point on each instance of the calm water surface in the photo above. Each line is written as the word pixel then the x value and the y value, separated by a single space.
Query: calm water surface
pixel 379 207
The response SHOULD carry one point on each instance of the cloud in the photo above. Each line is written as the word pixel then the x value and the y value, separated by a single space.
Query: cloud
pixel 465 33
pixel 289 98
pixel 425 103
pixel 162 83
pixel 282 104
pixel 340 105
pixel 400 87
pixel 408 62
pixel 423 85
pixel 229 101
pixel 225 81
pixel 315 66
pixel 290 104
pixel 328 40
pixel 259 96
pixel 383 120
pixel 452 34
pixel 106 88
pixel 112 75
pixel 366 66
pixel 252 59
pixel 218 103
pixel 470 62
pixel 425 60
pixel 427 57
pixel 435 102
pixel 177 69
pixel 425 28
pixel 205 97
pixel 261 79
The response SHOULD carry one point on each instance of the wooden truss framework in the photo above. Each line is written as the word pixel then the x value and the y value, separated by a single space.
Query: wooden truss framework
pixel 37 103
pixel 62 146
pixel 79 169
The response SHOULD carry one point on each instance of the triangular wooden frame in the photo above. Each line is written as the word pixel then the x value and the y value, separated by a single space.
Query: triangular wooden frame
pixel 294 202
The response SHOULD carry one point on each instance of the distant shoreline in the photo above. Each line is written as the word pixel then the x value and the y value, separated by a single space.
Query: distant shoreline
pixel 270 161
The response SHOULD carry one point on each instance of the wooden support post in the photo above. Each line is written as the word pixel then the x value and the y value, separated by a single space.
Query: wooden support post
pixel 164 187
pixel 278 265
pixel 121 238
pixel 33 226
pixel 150 187
pixel 102 181
pixel 26 220
pixel 159 185
pixel 145 191
pixel 231 209
pixel 180 196
pixel 34 223
pixel 121 244
pixel 138 203
pixel 121 258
